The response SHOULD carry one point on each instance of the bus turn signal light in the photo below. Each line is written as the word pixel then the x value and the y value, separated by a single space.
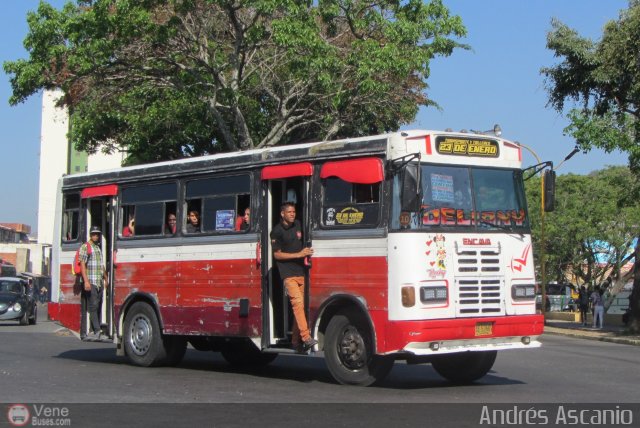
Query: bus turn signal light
pixel 408 296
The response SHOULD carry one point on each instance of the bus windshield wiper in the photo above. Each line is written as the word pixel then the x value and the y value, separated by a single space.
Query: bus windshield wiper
pixel 500 226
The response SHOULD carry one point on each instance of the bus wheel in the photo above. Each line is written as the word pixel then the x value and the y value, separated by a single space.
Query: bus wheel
pixel 464 367
pixel 143 343
pixel 348 352
pixel 246 355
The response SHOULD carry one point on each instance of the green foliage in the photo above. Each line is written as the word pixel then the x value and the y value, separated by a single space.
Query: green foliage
pixel 164 79
pixel 603 78
pixel 591 210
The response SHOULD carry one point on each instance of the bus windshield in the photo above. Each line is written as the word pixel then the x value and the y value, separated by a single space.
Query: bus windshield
pixel 466 197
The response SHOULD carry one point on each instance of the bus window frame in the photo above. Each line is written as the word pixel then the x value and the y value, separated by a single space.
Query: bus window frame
pixel 185 201
pixel 80 218
pixel 321 204
pixel 164 202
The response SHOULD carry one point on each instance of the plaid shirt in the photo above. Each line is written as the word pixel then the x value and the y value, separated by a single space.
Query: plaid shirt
pixel 95 268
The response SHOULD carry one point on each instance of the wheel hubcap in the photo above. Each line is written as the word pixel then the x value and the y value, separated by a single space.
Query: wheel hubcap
pixel 140 335
pixel 352 349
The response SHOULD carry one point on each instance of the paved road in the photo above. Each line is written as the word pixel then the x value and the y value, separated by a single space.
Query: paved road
pixel 45 364
pixel 48 366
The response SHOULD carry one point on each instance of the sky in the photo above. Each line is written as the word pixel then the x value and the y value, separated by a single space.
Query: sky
pixel 498 81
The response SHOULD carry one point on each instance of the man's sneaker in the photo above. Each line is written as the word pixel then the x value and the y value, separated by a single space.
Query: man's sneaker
pixel 299 348
pixel 309 343
pixel 91 337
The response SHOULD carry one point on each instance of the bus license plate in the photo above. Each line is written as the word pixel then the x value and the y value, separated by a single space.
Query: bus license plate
pixel 484 329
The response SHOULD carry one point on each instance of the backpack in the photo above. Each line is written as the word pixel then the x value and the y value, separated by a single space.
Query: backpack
pixel 76 266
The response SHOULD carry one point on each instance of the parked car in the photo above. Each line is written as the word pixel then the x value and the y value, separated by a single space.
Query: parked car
pixel 560 297
pixel 17 301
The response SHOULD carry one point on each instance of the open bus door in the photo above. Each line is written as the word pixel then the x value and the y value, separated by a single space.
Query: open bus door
pixel 100 204
pixel 282 183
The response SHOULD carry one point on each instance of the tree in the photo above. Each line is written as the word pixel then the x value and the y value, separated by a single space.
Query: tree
pixel 170 78
pixel 603 78
pixel 592 231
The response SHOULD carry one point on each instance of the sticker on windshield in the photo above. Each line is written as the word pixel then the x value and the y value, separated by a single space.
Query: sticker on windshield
pixel 442 188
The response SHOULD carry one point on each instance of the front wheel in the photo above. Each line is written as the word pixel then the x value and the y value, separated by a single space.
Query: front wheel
pixel 143 343
pixel 348 351
pixel 464 367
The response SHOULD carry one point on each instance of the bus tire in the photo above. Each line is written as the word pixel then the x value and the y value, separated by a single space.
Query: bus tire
pixel 175 348
pixel 34 317
pixel 246 355
pixel 143 342
pixel 464 367
pixel 348 352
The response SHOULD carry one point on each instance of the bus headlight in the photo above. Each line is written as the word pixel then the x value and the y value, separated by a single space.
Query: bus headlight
pixel 17 307
pixel 523 291
pixel 433 294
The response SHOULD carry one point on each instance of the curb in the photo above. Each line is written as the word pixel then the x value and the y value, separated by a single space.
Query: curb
pixel 572 333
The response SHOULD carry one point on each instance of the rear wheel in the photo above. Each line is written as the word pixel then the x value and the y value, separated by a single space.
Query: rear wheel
pixel 143 342
pixel 465 367
pixel 246 355
pixel 348 351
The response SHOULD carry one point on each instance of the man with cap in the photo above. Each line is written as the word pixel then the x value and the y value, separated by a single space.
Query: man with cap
pixel 94 276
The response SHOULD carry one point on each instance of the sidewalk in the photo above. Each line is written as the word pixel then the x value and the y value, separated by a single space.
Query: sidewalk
pixel 613 333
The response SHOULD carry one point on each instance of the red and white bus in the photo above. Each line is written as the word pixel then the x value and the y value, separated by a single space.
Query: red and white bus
pixel 422 253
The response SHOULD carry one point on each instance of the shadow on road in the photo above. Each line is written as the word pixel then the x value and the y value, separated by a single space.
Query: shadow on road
pixel 288 368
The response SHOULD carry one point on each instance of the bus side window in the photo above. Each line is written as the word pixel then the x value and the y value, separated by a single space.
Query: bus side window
pixel 70 217
pixel 217 202
pixel 145 207
pixel 348 204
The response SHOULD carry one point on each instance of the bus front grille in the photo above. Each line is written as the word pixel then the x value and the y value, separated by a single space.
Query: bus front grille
pixel 479 297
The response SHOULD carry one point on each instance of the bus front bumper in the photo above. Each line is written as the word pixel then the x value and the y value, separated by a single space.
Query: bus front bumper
pixel 432 337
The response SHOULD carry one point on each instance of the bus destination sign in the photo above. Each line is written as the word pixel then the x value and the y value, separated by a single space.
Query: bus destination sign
pixel 462 146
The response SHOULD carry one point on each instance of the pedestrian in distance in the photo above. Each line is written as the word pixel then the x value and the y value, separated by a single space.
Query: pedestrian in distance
pixel 583 303
pixel 598 308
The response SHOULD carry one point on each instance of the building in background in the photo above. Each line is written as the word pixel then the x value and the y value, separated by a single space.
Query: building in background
pixel 17 249
pixel 57 158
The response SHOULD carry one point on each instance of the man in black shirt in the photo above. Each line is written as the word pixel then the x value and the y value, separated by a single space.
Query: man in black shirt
pixel 286 240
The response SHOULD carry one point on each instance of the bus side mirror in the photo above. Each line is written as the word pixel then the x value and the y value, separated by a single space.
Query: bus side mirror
pixel 549 178
pixel 411 191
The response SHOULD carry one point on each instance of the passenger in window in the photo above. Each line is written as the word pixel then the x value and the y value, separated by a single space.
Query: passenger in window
pixel 193 222
pixel 242 223
pixel 170 227
pixel 129 229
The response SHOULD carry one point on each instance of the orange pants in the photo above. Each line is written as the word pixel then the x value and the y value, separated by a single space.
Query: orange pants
pixel 295 290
